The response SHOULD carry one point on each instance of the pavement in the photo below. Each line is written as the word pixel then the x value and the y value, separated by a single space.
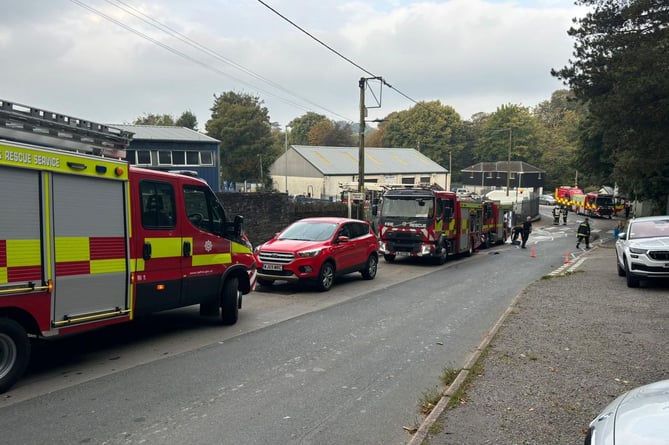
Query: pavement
pixel 569 344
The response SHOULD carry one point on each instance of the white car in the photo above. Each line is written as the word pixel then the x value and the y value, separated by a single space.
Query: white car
pixel 638 417
pixel 642 249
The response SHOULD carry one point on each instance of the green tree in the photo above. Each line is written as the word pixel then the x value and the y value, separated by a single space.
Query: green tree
pixel 331 134
pixel 242 124
pixel 301 126
pixel 188 120
pixel 155 119
pixel 620 72
pixel 429 127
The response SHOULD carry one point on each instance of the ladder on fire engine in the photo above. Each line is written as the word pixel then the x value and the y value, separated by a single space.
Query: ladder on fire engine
pixel 31 125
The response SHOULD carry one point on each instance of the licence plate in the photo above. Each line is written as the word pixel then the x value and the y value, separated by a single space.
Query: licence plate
pixel 272 267
pixel 402 253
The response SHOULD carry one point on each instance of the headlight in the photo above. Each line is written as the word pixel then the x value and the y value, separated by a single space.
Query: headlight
pixel 637 250
pixel 309 253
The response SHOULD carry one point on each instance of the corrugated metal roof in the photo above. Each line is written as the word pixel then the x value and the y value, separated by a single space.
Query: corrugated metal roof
pixel 344 160
pixel 165 133
pixel 503 166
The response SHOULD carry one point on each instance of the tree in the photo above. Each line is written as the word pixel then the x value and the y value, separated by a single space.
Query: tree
pixel 188 120
pixel 243 126
pixel 301 126
pixel 155 119
pixel 331 134
pixel 621 60
pixel 429 127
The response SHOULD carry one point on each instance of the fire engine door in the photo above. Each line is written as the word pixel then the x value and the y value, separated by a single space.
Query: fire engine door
pixel 463 236
pixel 90 246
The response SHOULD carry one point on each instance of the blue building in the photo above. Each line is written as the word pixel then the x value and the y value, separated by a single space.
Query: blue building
pixel 174 149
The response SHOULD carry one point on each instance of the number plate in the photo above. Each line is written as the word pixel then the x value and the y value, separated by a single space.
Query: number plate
pixel 272 266
pixel 402 254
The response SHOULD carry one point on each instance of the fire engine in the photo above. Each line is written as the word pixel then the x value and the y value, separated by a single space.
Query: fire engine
pixel 594 204
pixel 87 240
pixel 423 222
pixel 564 195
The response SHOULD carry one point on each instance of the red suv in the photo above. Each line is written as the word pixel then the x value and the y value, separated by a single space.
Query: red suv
pixel 319 249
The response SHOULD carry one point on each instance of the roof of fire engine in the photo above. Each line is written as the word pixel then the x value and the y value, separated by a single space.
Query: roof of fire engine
pixel 165 133
pixel 344 160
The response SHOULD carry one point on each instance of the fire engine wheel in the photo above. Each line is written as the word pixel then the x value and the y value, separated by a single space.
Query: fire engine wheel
pixel 470 248
pixel 230 302
pixel 443 254
pixel 369 272
pixel 14 352
pixel 326 277
pixel 388 257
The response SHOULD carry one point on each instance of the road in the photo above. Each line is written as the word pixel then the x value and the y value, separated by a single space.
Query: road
pixel 346 366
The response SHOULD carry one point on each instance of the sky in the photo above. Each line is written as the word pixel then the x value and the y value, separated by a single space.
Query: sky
pixel 112 61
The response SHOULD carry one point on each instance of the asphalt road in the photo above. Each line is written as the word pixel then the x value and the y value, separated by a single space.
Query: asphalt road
pixel 347 366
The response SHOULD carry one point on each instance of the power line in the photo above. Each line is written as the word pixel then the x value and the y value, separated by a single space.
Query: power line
pixel 196 61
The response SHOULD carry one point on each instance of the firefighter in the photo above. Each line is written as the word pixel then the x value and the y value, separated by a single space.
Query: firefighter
pixel 556 215
pixel 583 234
pixel 527 229
pixel 565 211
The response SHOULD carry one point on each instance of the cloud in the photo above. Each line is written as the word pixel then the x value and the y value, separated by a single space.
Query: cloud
pixel 475 55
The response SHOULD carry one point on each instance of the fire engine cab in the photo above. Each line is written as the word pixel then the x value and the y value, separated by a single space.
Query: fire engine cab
pixel 88 241
pixel 422 222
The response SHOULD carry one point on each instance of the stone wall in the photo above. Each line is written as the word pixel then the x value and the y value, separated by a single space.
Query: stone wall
pixel 267 213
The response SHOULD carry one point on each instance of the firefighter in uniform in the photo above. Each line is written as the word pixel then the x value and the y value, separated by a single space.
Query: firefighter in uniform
pixel 556 215
pixel 565 211
pixel 583 234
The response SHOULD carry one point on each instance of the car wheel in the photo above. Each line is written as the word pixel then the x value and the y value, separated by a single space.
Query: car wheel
pixel 14 352
pixel 369 272
pixel 326 276
pixel 230 302
pixel 389 258
pixel 621 271
pixel 632 280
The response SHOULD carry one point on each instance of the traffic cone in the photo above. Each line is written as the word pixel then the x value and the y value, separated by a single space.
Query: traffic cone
pixel 533 255
pixel 566 257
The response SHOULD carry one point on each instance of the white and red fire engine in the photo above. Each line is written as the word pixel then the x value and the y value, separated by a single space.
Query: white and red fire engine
pixel 87 240
pixel 423 222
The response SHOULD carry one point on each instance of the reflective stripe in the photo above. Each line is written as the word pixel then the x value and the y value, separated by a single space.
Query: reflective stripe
pixel 23 253
pixel 108 266
pixel 215 258
pixel 72 249
pixel 166 247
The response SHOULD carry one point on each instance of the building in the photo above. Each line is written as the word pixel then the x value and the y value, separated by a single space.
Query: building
pixel 178 149
pixel 522 177
pixel 320 172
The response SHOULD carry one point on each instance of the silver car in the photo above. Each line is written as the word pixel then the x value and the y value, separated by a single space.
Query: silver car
pixel 642 249
pixel 638 417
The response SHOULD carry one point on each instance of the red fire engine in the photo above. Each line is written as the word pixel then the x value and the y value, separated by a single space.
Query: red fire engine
pixel 564 195
pixel 594 204
pixel 423 222
pixel 88 241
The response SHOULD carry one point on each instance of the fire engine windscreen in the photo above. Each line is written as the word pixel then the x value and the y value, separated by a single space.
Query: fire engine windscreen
pixel 407 207
pixel 604 201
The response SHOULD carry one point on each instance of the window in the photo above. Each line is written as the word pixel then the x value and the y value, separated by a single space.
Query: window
pixel 408 180
pixel 158 210
pixel 179 157
pixel 192 158
pixel 425 179
pixel 207 158
pixel 164 157
pixel 144 157
pixel 203 209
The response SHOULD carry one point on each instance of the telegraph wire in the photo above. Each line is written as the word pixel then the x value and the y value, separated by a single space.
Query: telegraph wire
pixel 194 44
pixel 190 58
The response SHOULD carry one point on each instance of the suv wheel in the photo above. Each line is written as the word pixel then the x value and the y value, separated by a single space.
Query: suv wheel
pixel 326 276
pixel 632 280
pixel 369 272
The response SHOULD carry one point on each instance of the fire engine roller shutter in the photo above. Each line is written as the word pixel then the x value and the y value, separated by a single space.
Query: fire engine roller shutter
pixel 20 242
pixel 90 246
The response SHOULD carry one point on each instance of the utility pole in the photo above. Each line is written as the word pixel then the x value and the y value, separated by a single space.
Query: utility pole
pixel 361 138
pixel 508 165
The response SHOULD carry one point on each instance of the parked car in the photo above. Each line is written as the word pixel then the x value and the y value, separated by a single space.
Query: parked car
pixel 547 200
pixel 318 250
pixel 642 249
pixel 637 417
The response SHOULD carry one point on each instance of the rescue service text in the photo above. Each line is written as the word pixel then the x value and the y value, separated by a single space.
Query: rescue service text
pixel 29 158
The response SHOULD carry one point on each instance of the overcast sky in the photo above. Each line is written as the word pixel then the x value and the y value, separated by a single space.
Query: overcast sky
pixel 117 63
